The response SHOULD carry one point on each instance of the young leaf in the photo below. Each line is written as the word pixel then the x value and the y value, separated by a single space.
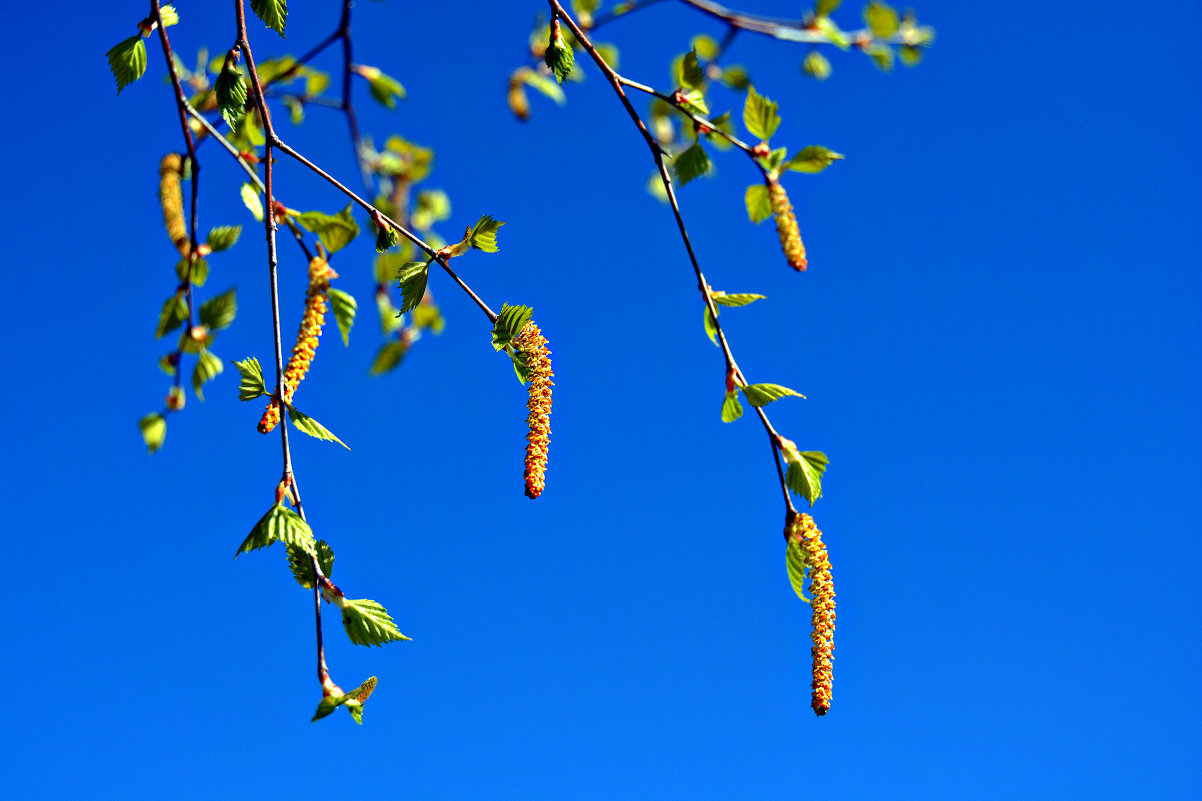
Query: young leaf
pixel 483 235
pixel 168 16
pixel 691 74
pixel 386 89
pixel 759 204
pixel 735 298
pixel 804 475
pixel 368 623
pixel 388 357
pixel 311 427
pixel 759 115
pixel 882 56
pixel 428 315
pixel 231 96
pixel 223 237
pixel 795 565
pixel 692 163
pixel 250 379
pixel 386 238
pixel 816 65
pixel 814 158
pixel 127 61
pixel 301 565
pixel 345 306
pixel 154 431
pixel 413 276
pixel 824 7
pixel 711 327
pixel 335 231
pixel 199 270
pixel 217 313
pixel 731 408
pixel 279 524
pixel 558 55
pixel 250 199
pixel 208 367
pixel 274 13
pixel 762 394
pixel 510 323
pixel 882 19
pixel 327 706
pixel 175 311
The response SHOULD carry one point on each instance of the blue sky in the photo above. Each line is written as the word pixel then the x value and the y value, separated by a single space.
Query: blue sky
pixel 998 337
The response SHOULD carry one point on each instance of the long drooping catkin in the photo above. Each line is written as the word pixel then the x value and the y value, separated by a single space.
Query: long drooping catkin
pixel 316 299
pixel 802 532
pixel 171 168
pixel 786 226
pixel 531 343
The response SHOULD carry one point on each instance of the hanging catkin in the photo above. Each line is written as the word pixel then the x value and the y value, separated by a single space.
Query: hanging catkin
pixel 786 226
pixel 531 343
pixel 802 532
pixel 171 169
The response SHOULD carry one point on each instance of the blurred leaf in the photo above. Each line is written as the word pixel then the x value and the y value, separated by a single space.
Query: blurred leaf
pixel 279 524
pixel 223 237
pixel 274 13
pixel 711 327
pixel 735 77
pixel 824 7
pixel 154 431
pixel 413 276
pixel 735 298
pixel 762 394
pixel 127 61
pixel 175 311
pixel 168 16
pixel 433 206
pixel 368 623
pixel 543 84
pixel 759 115
pixel 335 231
pixel 345 307
pixel 706 47
pixel 691 74
pixel 731 408
pixel 250 379
pixel 309 426
pixel 816 65
pixel 510 323
pixel 217 313
pixel 296 109
pixel 208 367
pixel 691 164
pixel 199 269
pixel 388 357
pixel 428 315
pixel 759 204
pixel 299 562
pixel 250 199
pixel 812 159
pixel 910 55
pixel 827 27
pixel 882 56
pixel 882 19
pixel 386 90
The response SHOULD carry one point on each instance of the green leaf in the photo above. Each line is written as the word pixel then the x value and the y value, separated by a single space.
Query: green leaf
pixel 759 115
pixel 199 269
pixel 510 323
pixel 483 235
pixel 327 706
pixel 691 74
pixel 335 231
pixel 250 379
pixel 207 368
pixel 694 101
pixel 368 623
pixel 735 77
pixel 813 159
pixel 279 524
pixel 816 65
pixel 735 298
pixel 175 311
pixel 825 7
pixel 910 55
pixel 250 199
pixel 388 357
pixel 217 313
pixel 127 61
pixel 428 315
pixel 804 476
pixel 386 90
pixel 413 276
pixel 882 56
pixel 168 16
pixel 231 96
pixel 154 431
pixel 296 109
pixel 345 307
pixel 711 327
pixel 762 394
pixel 795 565
pixel 691 164
pixel 223 237
pixel 521 363
pixel 882 19
pixel 274 13
pixel 301 565
pixel 827 27
pixel 704 46
pixel 352 701
pixel 433 205
pixel 558 55
pixel 543 84
pixel 386 238
pixel 309 426
pixel 759 204
pixel 731 408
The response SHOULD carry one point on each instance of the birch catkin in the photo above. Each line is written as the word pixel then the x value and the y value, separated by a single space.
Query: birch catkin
pixel 786 226
pixel 171 169
pixel 316 301
pixel 531 343
pixel 802 532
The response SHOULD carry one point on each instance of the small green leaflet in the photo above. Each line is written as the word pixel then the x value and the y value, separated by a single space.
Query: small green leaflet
pixel 816 65
pixel 795 565
pixel 543 84
pixel 558 56
pixel 169 16
pixel 731 408
pixel 223 237
pixel 335 231
pixel 882 19
pixel 814 158
pixel 386 238
pixel 483 235
pixel 279 524
pixel 250 199
pixel 250 379
pixel 762 394
pixel 390 318
pixel 309 426
pixel 521 364
pixel 127 61
pixel 691 164
pixel 154 431
pixel 231 96
pixel 704 46
pixel 274 13
pixel 219 312
pixel 827 27
pixel 691 74
pixel 824 7
pixel 175 311
pixel 510 323
pixel 711 327
pixel 368 623
pixel 433 206
pixel 386 90
pixel 694 102
pixel 804 477
pixel 759 115
pixel 428 315
pixel 208 367
pixel 345 306
pixel 413 276
pixel 882 56
pixel 200 271
pixel 388 357
pixel 759 204
pixel 301 565
pixel 735 298
pixel 353 701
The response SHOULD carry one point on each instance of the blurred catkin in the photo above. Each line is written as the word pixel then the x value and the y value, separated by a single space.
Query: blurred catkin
pixel 802 532
pixel 306 339
pixel 531 344
pixel 786 226
pixel 171 169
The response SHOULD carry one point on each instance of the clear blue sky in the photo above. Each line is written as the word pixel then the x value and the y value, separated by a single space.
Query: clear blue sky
pixel 998 335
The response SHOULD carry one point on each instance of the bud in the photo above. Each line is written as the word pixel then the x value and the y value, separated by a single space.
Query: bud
pixel 801 532
pixel 786 226
pixel 531 344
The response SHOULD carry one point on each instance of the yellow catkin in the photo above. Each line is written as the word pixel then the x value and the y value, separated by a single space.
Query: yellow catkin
pixel 531 343
pixel 786 226
pixel 805 534
pixel 171 168
pixel 316 302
